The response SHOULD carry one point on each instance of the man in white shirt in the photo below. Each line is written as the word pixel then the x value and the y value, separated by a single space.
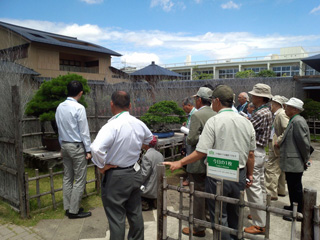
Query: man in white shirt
pixel 74 138
pixel 116 151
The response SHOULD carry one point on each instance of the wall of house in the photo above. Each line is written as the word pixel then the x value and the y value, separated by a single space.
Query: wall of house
pixel 9 39
pixel 45 59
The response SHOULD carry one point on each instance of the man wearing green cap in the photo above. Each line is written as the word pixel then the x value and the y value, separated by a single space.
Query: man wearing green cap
pixel 197 170
pixel 226 131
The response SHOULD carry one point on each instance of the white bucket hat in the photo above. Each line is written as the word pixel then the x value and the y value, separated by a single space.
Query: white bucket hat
pixel 296 103
pixel 261 90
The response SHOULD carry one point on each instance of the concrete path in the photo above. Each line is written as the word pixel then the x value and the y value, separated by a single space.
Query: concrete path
pixel 96 226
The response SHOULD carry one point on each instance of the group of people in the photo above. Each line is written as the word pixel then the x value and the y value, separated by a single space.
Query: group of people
pixel 269 121
pixel 212 124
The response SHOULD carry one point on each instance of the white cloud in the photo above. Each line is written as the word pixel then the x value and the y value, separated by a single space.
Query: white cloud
pixel 139 59
pixel 230 5
pixel 165 4
pixel 92 1
pixel 315 10
pixel 167 47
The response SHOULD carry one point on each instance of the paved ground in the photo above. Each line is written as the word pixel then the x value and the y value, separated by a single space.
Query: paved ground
pixel 96 227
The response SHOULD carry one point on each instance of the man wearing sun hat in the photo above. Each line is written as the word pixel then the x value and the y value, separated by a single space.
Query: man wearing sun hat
pixel 274 177
pixel 261 120
pixel 295 152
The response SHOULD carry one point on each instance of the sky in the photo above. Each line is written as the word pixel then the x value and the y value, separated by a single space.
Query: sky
pixel 167 31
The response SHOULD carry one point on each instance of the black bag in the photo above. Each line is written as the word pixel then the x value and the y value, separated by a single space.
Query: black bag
pixel 311 150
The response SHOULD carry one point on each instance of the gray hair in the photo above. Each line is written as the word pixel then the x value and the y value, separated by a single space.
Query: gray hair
pixel 246 96
pixel 187 101
pixel 251 105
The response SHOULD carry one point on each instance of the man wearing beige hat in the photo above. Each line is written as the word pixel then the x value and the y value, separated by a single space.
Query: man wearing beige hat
pixel 197 170
pixel 295 152
pixel 261 121
pixel 274 178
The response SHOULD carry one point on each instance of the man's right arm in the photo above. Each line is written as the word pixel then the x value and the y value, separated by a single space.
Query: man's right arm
pixel 193 157
pixel 250 166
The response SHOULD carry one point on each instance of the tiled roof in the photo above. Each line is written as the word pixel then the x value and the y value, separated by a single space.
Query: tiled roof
pixel 12 67
pixel 56 39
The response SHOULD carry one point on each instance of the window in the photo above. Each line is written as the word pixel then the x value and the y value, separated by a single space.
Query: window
pixel 228 73
pixel 256 69
pixel 310 71
pixel 282 71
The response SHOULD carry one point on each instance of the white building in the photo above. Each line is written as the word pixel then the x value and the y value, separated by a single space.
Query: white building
pixel 287 63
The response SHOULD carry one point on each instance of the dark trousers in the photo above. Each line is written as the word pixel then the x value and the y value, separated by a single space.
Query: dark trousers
pixel 120 193
pixel 199 204
pixel 294 182
pixel 230 212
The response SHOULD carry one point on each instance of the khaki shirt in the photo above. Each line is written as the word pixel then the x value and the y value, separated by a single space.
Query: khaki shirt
pixel 228 131
pixel 280 124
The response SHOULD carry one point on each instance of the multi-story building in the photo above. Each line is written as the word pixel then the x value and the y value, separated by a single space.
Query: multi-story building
pixel 287 63
pixel 52 55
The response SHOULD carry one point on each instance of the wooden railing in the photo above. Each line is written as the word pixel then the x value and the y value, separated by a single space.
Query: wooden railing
pixel 51 175
pixel 310 214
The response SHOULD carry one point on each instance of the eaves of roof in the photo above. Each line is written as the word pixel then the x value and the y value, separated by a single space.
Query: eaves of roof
pixel 51 38
pixel 12 67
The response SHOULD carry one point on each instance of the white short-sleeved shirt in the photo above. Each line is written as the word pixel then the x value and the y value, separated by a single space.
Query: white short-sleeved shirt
pixel 119 141
pixel 228 131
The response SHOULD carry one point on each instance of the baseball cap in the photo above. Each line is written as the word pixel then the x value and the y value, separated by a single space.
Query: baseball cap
pixel 224 93
pixel 204 92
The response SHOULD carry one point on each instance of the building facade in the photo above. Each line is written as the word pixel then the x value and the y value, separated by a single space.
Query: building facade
pixel 288 63
pixel 52 55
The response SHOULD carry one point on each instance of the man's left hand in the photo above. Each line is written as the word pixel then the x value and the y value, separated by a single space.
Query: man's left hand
pixel 106 168
pixel 173 165
pixel 88 156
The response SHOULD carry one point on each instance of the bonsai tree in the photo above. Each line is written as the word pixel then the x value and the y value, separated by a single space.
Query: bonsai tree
pixel 50 94
pixel 161 114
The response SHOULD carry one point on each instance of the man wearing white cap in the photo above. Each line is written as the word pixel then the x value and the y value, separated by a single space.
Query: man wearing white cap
pixel 295 152
pixel 261 120
pixel 274 177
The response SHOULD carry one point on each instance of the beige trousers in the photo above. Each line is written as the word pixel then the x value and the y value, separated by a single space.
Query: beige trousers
pixel 256 193
pixel 274 178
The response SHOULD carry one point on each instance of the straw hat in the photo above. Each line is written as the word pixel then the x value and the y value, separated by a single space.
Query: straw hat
pixel 261 90
pixel 296 103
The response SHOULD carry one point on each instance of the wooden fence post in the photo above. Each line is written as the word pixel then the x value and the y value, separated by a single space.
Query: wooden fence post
pixel 38 188
pixel 316 221
pixel 27 194
pixel 309 201
pixel 241 213
pixel 191 186
pixel 180 209
pixel 16 110
pixel 160 175
pixel 217 203
pixel 52 189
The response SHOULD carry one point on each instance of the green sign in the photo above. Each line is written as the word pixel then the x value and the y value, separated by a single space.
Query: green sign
pixel 223 164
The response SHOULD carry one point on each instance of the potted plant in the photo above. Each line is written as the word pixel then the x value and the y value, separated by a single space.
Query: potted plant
pixel 46 100
pixel 161 115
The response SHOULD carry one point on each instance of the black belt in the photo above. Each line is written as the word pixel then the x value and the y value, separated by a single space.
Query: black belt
pixel 121 168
